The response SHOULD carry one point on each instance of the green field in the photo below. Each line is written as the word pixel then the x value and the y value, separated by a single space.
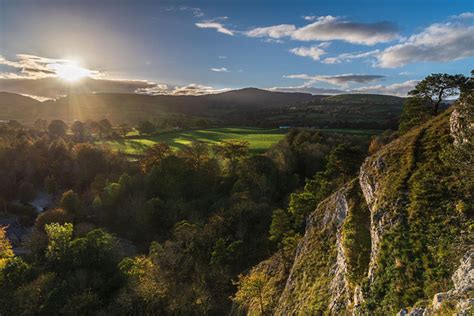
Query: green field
pixel 260 139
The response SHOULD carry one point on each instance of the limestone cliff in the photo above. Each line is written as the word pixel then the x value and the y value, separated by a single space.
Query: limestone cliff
pixel 392 239
pixel 321 278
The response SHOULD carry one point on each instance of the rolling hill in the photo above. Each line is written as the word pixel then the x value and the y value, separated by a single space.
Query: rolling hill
pixel 119 107
pixel 248 106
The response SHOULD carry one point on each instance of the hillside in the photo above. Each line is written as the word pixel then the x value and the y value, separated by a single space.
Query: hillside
pixel 345 110
pixel 18 107
pixel 378 99
pixel 397 238
pixel 249 106
pixel 121 107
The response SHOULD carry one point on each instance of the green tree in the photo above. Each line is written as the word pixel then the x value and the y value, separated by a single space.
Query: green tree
pixel 79 130
pixel 70 202
pixel 197 154
pixel 233 151
pixel 250 293
pixel 281 225
pixel 105 127
pixel 146 127
pixel 6 251
pixel 56 215
pixel 154 155
pixel 59 241
pixel 437 87
pixel 57 128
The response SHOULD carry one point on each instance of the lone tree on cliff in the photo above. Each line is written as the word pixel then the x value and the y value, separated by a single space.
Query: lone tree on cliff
pixel 437 87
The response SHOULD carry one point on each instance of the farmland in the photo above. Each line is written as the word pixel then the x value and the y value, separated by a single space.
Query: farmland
pixel 259 139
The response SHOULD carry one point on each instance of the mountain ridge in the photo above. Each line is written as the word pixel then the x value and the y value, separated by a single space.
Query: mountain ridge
pixel 131 108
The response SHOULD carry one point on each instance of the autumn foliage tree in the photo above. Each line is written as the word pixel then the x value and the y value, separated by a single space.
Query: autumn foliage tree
pixel 154 155
pixel 5 248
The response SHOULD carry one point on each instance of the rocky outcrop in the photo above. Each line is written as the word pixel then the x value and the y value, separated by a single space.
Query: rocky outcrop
pixel 392 237
pixel 369 176
pixel 318 281
pixel 461 121
pixel 383 179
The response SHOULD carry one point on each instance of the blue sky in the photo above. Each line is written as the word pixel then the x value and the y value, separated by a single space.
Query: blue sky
pixel 182 47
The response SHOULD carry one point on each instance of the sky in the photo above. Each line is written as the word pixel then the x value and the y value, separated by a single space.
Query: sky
pixel 51 48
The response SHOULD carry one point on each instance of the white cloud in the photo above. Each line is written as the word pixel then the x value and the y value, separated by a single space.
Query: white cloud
pixel 222 57
pixel 33 75
pixel 215 25
pixel 52 87
pixel 196 89
pixel 465 15
pixel 347 57
pixel 439 42
pixel 222 69
pixel 276 31
pixel 34 67
pixel 307 89
pixel 328 28
pixel 313 52
pixel 310 17
pixel 399 89
pixel 337 80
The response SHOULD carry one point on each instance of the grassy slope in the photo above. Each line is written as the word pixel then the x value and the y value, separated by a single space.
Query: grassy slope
pixel 421 189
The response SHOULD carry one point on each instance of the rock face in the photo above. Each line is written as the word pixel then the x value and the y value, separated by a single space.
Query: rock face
pixel 319 281
pixel 461 123
pixel 369 175
pixel 370 247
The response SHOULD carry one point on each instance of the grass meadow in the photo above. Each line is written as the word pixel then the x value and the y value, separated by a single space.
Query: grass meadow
pixel 259 139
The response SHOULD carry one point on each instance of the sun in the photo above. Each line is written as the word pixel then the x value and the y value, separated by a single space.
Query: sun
pixel 70 71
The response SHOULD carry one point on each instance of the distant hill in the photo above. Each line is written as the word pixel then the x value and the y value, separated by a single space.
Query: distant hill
pixel 248 106
pixel 119 107
pixel 373 111
pixel 18 107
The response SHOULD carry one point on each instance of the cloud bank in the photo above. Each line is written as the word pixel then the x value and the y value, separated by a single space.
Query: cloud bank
pixel 328 28
pixel 397 89
pixel 337 80
pixel 440 42
pixel 36 76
